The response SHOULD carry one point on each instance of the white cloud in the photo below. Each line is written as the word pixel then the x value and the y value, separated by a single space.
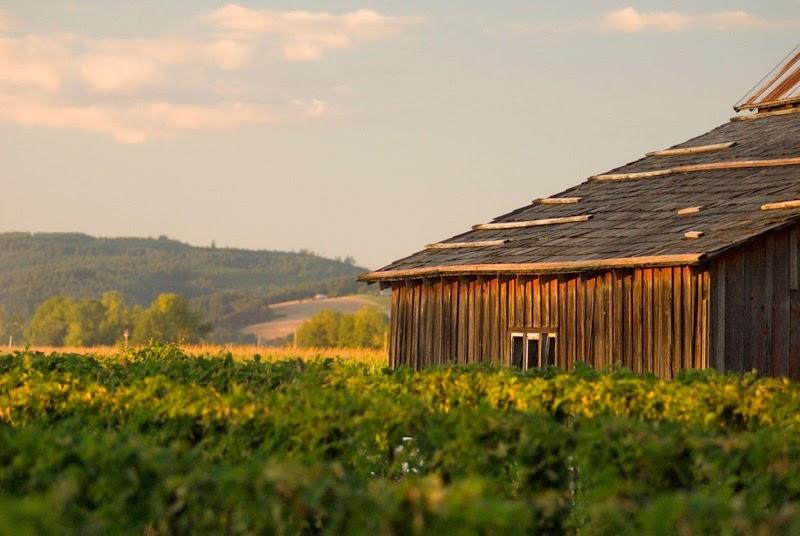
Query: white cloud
pixel 158 87
pixel 133 122
pixel 308 35
pixel 313 108
pixel 632 20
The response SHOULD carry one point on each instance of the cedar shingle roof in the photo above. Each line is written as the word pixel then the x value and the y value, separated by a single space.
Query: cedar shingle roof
pixel 638 218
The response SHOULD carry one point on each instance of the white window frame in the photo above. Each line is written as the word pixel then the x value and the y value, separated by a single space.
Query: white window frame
pixel 526 336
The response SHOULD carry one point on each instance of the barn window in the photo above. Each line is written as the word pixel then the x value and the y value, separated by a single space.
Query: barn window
pixel 518 350
pixel 533 349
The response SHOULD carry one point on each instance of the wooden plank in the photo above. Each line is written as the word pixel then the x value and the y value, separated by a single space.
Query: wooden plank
pixel 472 320
pixel 503 332
pixel 794 334
pixel 630 176
pixel 425 336
pixel 393 331
pixel 527 301
pixel 535 267
pixel 689 210
pixel 689 313
pixel 705 320
pixel 519 302
pixel 618 319
pixel 735 313
pixel 580 319
pixel 753 307
pixel 446 313
pixel 408 351
pixel 598 327
pixel 608 291
pixel 638 321
pixel 720 312
pixel 544 287
pixel 627 295
pixel 782 205
pixel 454 319
pixel 659 339
pixel 762 115
pixel 494 316
pixel 399 356
pixel 563 337
pixel 416 291
pixel 557 200
pixel 666 315
pixel 590 319
pixel 709 166
pixel 678 308
pixel 530 223
pixel 647 323
pixel 536 289
pixel 697 149
pixel 693 235
pixel 461 245
pixel 738 164
pixel 437 330
pixel 463 320
pixel 793 272
pixel 571 319
pixel 553 285
pixel 781 307
pixel 486 322
pixel 769 289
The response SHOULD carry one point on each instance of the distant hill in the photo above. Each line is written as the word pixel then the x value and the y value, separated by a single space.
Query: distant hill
pixel 34 267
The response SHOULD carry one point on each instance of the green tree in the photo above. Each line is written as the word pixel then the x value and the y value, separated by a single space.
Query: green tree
pixel 367 328
pixel 50 322
pixel 118 317
pixel 84 320
pixel 321 330
pixel 169 319
pixel 370 327
pixel 11 327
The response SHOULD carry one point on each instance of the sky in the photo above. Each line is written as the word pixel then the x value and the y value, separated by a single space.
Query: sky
pixel 349 128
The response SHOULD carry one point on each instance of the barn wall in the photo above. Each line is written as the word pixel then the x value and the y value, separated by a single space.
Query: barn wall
pixel 650 320
pixel 756 307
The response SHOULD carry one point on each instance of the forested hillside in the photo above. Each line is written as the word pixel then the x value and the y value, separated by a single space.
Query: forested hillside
pixel 34 267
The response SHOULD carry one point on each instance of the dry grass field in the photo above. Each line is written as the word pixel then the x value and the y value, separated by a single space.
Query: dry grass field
pixel 291 315
pixel 360 355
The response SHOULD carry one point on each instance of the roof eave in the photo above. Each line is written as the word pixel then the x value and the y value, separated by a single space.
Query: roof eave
pixel 534 268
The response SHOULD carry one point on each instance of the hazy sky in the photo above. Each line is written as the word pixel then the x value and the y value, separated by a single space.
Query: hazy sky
pixel 363 128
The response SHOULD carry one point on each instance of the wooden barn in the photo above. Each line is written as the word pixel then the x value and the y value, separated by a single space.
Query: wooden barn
pixel 686 258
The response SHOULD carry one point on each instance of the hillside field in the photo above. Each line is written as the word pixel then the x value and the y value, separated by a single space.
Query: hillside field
pixel 290 315
pixel 164 440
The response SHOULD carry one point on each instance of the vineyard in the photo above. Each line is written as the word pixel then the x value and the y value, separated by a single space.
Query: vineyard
pixel 157 441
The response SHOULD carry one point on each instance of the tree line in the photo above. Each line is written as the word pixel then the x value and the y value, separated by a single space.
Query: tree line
pixel 65 321
pixel 367 328
pixel 110 320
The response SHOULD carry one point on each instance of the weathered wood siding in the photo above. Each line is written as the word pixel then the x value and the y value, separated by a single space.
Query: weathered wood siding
pixel 755 303
pixel 650 319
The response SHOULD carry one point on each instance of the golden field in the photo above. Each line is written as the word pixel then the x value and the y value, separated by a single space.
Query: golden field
pixel 240 352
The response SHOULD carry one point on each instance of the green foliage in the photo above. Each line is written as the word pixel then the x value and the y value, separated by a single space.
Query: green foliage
pixel 50 322
pixel 34 267
pixel 62 321
pixel 169 319
pixel 11 327
pixel 160 442
pixel 367 328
